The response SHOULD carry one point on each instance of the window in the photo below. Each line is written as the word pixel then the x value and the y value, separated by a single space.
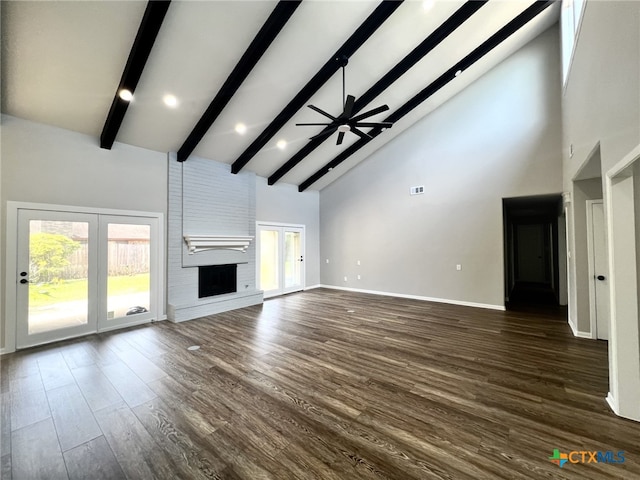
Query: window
pixel 570 18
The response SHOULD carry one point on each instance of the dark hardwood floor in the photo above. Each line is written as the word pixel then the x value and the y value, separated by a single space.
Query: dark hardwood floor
pixel 316 385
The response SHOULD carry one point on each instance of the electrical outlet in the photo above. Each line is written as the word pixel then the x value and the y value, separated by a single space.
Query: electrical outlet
pixel 458 267
pixel 327 260
pixel 358 263
pixel 345 278
pixel 359 277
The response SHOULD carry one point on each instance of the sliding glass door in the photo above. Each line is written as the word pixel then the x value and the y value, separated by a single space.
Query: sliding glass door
pixel 80 273
pixel 280 258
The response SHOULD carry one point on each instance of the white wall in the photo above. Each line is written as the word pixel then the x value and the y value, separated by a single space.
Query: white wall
pixel 601 105
pixel 500 137
pixel 601 101
pixel 43 164
pixel 282 203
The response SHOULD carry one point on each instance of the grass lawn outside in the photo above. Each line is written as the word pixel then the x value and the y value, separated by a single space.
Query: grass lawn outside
pixel 72 290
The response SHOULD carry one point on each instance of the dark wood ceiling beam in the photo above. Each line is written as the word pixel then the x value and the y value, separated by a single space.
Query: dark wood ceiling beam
pixel 145 38
pixel 267 34
pixel 355 41
pixel 501 35
pixel 413 57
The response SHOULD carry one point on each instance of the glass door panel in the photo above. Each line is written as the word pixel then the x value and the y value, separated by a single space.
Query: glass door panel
pixel 128 267
pixel 292 259
pixel 128 256
pixel 54 280
pixel 269 259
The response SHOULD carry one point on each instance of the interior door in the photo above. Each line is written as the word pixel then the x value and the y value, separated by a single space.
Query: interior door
pixel 600 270
pixel 280 259
pixel 55 280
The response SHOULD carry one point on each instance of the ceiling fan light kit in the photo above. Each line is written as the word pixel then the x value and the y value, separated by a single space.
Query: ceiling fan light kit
pixel 345 122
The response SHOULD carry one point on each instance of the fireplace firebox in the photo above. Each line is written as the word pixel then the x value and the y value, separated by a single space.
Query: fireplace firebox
pixel 217 280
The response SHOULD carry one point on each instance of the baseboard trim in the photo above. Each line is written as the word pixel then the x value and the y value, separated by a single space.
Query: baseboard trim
pixel 612 403
pixel 317 285
pixel 578 333
pixel 4 351
pixel 418 297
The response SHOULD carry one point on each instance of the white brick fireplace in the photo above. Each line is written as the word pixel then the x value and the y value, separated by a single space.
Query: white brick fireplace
pixel 207 201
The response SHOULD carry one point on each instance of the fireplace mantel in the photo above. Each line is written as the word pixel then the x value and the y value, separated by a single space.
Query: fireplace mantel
pixel 201 243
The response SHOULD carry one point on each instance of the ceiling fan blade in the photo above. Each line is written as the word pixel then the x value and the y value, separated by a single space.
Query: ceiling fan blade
pixel 323 134
pixel 360 133
pixel 348 106
pixel 370 113
pixel 373 124
pixel 340 137
pixel 322 112
pixel 312 124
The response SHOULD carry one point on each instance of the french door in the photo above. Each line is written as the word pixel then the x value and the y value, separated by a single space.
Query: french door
pixel 81 273
pixel 280 258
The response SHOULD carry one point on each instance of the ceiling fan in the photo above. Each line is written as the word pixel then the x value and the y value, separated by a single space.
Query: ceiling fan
pixel 345 122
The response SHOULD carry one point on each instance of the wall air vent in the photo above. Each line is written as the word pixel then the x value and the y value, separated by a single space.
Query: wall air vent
pixel 417 190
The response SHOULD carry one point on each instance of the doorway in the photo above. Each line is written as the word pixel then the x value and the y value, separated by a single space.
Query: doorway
pixel 80 273
pixel 531 237
pixel 280 258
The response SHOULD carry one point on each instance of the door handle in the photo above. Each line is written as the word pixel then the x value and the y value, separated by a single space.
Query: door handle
pixel 601 277
pixel 24 280
pixel 301 259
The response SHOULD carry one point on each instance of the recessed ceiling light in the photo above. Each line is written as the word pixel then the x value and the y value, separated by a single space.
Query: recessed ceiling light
pixel 282 144
pixel 458 73
pixel 427 5
pixel 170 100
pixel 125 95
pixel 241 128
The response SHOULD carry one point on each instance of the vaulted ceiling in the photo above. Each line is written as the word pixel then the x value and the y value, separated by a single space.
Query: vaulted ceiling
pixel 256 63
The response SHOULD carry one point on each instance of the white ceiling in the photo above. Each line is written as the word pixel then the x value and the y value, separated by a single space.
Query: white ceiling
pixel 62 62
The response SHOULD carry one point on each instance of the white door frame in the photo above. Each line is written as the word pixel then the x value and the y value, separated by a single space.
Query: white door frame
pixel 11 273
pixel 592 270
pixel 624 341
pixel 303 254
